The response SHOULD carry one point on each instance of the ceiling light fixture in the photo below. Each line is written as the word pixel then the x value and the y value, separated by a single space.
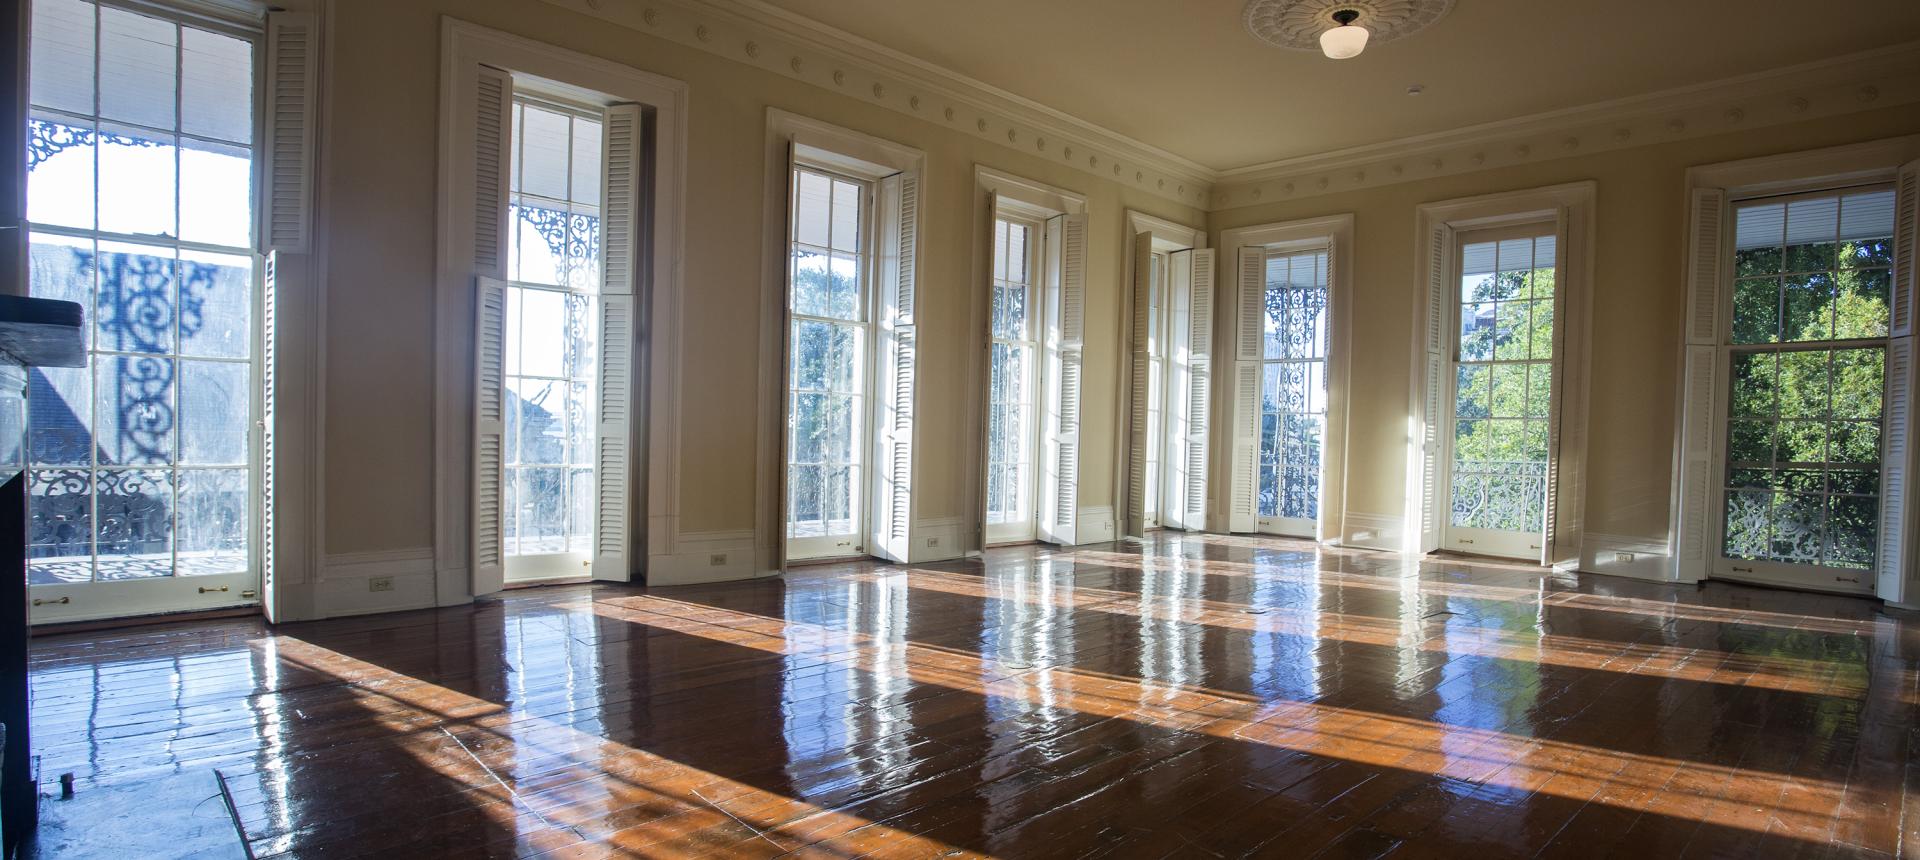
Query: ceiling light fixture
pixel 1346 40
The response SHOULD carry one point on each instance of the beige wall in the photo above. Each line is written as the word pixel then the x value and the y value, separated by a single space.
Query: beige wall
pixel 378 195
pixel 1637 299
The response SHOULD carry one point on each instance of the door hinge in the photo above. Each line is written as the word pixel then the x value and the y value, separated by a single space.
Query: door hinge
pixel 206 590
pixel 38 601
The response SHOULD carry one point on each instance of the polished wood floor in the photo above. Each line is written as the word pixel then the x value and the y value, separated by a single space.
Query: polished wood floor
pixel 1204 696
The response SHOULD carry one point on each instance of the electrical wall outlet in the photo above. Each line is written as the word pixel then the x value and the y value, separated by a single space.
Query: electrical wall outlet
pixel 380 583
pixel 933 541
pixel 718 559
pixel 1623 558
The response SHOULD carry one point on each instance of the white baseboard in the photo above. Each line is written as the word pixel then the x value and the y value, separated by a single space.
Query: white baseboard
pixel 345 582
pixel 1094 525
pixel 718 556
pixel 935 539
pixel 1625 555
pixel 1373 531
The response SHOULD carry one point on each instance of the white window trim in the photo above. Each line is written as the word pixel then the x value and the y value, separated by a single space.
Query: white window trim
pixel 1167 237
pixel 1875 161
pixel 1335 234
pixel 463 46
pixel 1570 207
pixel 849 152
pixel 997 191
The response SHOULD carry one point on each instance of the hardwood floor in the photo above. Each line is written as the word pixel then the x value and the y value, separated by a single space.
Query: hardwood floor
pixel 1206 696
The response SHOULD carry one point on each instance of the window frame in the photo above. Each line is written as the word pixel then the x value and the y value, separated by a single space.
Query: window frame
pixel 99 598
pixel 1468 539
pixel 1024 530
pixel 840 547
pixel 1765 571
pixel 571 563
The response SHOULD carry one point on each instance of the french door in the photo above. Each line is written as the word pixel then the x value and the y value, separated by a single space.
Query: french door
pixel 144 467
pixel 828 412
pixel 1013 416
pixel 1293 393
pixel 1502 404
pixel 1805 356
pixel 553 281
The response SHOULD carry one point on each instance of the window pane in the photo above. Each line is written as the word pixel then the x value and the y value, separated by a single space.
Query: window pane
pixel 215 412
pixel 62 56
pixel 541 420
pixel 216 85
pixel 216 198
pixel 59 526
pixel 544 147
pixel 543 316
pixel 60 169
pixel 134 410
pixel 541 497
pixel 136 182
pixel 811 285
pixel 136 68
pixel 846 217
pixel 135 308
pixel 59 416
pixel 216 304
pixel 813 210
pixel 586 162
pixel 61 267
pixel 1756 310
pixel 540 239
pixel 212 535
pixel 134 523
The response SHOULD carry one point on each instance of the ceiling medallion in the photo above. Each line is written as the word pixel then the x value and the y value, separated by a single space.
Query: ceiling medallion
pixel 1298 24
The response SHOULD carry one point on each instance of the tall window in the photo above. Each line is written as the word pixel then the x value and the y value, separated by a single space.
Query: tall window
pixel 1012 416
pixel 830 255
pixel 143 466
pixel 553 277
pixel 1293 392
pixel 1807 369
pixel 1503 393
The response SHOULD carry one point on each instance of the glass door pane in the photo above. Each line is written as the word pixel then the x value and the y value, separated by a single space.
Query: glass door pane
pixel 1502 397
pixel 1293 393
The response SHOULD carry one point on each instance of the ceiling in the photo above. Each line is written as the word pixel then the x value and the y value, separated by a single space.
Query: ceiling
pixel 1185 76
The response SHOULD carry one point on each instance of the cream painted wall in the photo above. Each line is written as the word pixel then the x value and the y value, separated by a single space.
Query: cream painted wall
pixel 1637 307
pixel 378 196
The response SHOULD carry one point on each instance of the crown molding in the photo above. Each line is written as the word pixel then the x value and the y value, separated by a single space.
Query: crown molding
pixel 792 46
pixel 1870 79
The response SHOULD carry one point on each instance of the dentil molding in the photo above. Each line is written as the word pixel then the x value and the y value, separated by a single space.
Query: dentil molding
pixel 783 43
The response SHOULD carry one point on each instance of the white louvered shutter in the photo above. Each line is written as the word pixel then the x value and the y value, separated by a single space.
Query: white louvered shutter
pixel 492 115
pixel 293 57
pixel 492 136
pixel 899 355
pixel 489 436
pixel 1899 525
pixel 613 554
pixel 1560 544
pixel 1066 246
pixel 269 378
pixel 1706 256
pixel 1243 514
pixel 1200 387
pixel 1139 387
pixel 1179 301
pixel 1432 495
